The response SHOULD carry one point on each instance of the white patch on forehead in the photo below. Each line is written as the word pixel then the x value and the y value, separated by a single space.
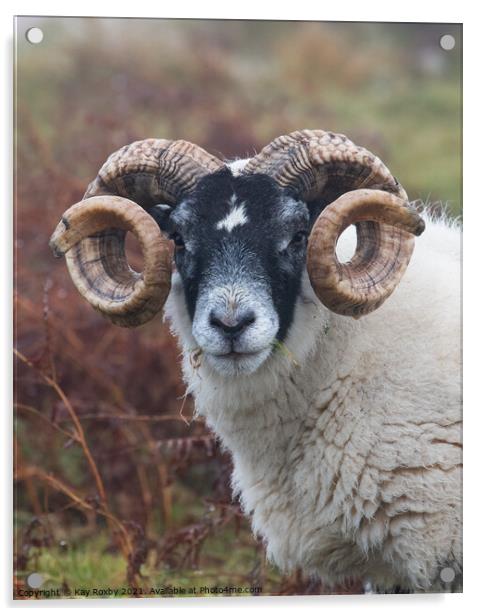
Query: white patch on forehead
pixel 236 217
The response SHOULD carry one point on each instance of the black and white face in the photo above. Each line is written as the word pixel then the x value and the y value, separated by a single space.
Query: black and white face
pixel 240 252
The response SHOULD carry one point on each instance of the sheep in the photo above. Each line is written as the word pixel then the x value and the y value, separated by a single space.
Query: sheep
pixel 345 433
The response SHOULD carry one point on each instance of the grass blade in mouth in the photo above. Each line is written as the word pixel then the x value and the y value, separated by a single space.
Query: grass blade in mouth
pixel 281 346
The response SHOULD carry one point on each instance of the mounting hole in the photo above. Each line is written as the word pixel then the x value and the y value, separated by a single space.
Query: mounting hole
pixel 447 42
pixel 35 580
pixel 34 36
pixel 447 575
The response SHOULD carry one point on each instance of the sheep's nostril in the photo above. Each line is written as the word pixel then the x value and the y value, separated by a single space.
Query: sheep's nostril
pixel 232 326
pixel 249 320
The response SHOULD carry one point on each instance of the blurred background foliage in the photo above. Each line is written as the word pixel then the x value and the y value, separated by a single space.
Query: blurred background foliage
pixel 91 86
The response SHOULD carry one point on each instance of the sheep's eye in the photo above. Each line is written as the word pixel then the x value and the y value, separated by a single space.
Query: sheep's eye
pixel 177 239
pixel 298 238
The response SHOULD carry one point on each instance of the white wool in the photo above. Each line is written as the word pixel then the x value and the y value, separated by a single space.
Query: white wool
pixel 237 165
pixel 347 447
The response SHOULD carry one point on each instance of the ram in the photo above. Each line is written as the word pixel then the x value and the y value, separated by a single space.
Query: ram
pixel 342 410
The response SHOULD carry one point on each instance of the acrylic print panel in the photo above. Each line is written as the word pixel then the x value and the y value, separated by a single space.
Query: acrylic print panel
pixel 212 396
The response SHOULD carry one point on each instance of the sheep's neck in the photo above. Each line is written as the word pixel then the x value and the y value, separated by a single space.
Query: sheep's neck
pixel 269 410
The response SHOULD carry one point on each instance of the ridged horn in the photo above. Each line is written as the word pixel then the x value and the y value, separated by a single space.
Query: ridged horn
pixel 91 233
pixel 360 190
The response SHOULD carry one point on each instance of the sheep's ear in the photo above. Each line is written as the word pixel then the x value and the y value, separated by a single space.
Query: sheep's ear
pixel 161 214
pixel 315 207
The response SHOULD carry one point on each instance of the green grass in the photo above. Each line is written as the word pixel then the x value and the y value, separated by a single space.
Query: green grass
pixel 226 560
pixel 421 125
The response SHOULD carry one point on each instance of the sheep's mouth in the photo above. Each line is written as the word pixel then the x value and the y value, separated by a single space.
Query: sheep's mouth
pixel 239 354
pixel 236 363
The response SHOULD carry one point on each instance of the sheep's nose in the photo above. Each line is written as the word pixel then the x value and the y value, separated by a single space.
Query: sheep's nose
pixel 232 326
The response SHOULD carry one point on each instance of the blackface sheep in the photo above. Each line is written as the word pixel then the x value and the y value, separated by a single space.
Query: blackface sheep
pixel 345 432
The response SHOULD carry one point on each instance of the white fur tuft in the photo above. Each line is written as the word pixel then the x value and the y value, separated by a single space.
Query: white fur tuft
pixel 236 218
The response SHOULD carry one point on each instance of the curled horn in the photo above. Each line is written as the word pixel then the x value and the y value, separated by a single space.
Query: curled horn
pixel 91 233
pixel 358 189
